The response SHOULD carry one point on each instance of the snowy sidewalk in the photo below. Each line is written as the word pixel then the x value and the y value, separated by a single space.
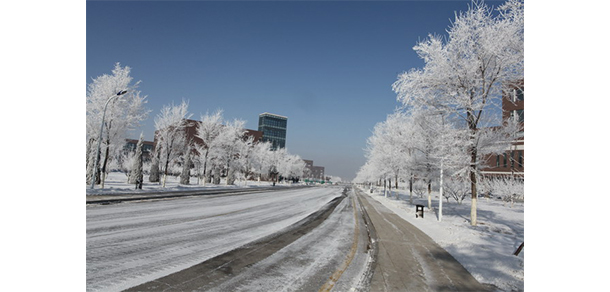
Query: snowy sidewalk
pixel 409 260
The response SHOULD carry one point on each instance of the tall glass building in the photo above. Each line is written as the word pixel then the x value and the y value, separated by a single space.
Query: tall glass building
pixel 274 129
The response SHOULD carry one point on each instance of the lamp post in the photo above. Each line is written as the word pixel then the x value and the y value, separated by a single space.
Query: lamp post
pixel 440 196
pixel 99 141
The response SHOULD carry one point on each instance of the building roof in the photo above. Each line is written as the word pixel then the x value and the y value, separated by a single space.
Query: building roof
pixel 273 115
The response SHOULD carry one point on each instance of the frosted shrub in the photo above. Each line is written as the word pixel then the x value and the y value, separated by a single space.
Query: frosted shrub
pixel 508 189
pixel 420 187
pixel 458 189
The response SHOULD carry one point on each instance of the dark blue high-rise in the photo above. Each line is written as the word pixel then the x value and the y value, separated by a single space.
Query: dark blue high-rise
pixel 274 129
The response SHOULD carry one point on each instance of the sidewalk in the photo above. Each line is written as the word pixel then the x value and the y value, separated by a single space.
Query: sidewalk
pixel 409 260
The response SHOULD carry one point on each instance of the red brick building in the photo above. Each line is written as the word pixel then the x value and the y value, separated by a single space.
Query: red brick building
pixel 312 171
pixel 191 133
pixel 510 162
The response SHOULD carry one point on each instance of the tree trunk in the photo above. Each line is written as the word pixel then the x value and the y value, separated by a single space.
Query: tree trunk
pixel 165 171
pixel 411 189
pixel 185 176
pixel 473 188
pixel 216 176
pixel 154 169
pixel 205 166
pixel 90 161
pixel 429 194
pixel 136 174
pixel 230 179
pixel 91 165
pixel 472 125
pixel 396 185
pixel 103 177
pixel 519 249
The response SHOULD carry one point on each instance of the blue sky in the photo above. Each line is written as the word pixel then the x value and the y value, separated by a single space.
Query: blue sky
pixel 326 65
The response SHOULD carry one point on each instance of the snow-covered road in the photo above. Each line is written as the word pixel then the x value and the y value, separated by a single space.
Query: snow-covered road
pixel 133 243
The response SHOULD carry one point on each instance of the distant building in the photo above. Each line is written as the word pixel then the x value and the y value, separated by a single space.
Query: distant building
pixel 308 168
pixel 318 172
pixel 312 171
pixel 274 129
pixel 147 147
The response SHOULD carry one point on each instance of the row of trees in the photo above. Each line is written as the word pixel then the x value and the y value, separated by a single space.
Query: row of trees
pixel 507 188
pixel 449 104
pixel 222 149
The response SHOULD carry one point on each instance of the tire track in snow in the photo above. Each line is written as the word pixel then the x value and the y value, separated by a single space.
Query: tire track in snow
pixel 209 274
pixel 131 243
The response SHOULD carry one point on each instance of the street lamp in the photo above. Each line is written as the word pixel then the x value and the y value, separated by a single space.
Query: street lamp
pixel 99 141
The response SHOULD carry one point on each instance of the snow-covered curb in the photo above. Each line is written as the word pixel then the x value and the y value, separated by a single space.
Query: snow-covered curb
pixel 486 250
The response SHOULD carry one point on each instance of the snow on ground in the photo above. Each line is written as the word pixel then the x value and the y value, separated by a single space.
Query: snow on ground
pixel 116 183
pixel 131 243
pixel 486 250
pixel 305 264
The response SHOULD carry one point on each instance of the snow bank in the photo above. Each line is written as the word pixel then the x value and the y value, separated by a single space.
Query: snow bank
pixel 486 250
pixel 116 183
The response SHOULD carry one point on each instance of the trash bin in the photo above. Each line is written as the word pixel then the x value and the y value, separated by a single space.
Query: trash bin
pixel 419 211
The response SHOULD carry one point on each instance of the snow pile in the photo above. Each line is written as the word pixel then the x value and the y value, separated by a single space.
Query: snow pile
pixel 116 183
pixel 486 250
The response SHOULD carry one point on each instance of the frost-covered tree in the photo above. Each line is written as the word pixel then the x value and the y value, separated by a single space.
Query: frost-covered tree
pixel 436 147
pixel 136 175
pixel 246 154
pixel 91 156
pixel 464 74
pixel 207 130
pixel 261 160
pixel 170 135
pixel 508 188
pixel 276 158
pixel 154 175
pixel 457 189
pixel 290 165
pixel 425 143
pixel 229 143
pixel 124 163
pixel 122 114
pixel 387 148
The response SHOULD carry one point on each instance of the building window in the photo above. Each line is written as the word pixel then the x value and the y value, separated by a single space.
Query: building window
pixel 520 161
pixel 517 114
pixel 505 160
